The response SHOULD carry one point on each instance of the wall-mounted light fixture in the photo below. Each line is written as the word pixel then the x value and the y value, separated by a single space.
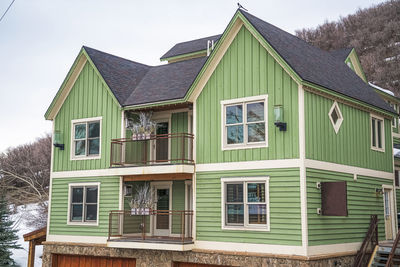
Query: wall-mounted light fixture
pixel 58 140
pixel 278 115
pixel 378 191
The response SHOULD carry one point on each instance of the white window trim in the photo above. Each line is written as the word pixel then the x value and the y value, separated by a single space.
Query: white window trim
pixel 245 227
pixel 244 101
pixel 336 126
pixel 376 148
pixel 69 222
pixel 85 120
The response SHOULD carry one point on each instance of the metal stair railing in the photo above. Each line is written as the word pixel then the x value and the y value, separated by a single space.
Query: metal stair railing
pixel 389 262
pixel 370 238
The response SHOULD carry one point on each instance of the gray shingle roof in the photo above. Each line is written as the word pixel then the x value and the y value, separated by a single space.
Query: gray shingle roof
pixel 315 65
pixel 134 83
pixel 341 54
pixel 190 46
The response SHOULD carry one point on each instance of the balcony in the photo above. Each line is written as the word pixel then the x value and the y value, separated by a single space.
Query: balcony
pixel 172 228
pixel 161 149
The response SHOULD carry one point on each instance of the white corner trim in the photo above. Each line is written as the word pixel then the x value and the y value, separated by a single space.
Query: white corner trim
pixel 322 165
pixel 335 107
pixel 152 246
pixel 249 165
pixel 249 247
pixel 72 145
pixel 70 185
pixel 243 101
pixel 77 239
pixel 51 180
pixel 303 181
pixel 334 248
pixel 126 171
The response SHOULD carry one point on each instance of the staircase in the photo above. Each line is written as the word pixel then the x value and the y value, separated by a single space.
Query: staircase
pixel 381 254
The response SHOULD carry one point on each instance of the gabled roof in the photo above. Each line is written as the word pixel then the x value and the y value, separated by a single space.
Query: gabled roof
pixel 315 65
pixel 190 46
pixel 134 83
pixel 341 54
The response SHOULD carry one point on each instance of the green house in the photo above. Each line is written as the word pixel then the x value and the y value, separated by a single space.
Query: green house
pixel 265 150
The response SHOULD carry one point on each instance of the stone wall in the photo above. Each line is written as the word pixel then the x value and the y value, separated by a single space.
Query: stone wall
pixel 163 258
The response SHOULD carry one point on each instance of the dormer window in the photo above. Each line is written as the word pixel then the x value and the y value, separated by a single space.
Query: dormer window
pixel 335 116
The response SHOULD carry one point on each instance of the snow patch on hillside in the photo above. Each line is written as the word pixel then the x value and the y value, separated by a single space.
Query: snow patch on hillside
pixel 20 218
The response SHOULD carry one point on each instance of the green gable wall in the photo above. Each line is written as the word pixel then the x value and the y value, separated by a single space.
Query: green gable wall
pixel 361 203
pixel 352 144
pixel 88 98
pixel 247 69
pixel 109 200
pixel 284 198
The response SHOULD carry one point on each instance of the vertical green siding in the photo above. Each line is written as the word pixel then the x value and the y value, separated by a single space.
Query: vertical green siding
pixel 361 203
pixel 285 214
pixel 247 70
pixel 179 146
pixel 88 98
pixel 352 144
pixel 109 200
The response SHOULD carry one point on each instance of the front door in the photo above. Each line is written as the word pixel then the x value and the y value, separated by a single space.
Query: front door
pixel 161 152
pixel 387 201
pixel 161 221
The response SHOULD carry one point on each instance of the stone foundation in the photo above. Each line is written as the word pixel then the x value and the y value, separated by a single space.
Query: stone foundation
pixel 162 258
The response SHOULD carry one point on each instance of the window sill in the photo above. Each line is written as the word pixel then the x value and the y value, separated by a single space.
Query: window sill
pixel 378 149
pixel 83 223
pixel 249 228
pixel 86 158
pixel 248 146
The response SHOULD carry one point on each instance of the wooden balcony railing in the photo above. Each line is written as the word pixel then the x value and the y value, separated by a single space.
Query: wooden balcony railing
pixel 173 148
pixel 140 228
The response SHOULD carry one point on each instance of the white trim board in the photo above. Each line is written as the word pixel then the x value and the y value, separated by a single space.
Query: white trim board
pixel 77 239
pixel 249 165
pixel 315 164
pixel 334 248
pixel 125 171
pixel 248 247
pixel 152 246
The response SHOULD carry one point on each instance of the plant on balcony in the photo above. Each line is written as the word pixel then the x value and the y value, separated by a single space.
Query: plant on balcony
pixel 142 200
pixel 141 126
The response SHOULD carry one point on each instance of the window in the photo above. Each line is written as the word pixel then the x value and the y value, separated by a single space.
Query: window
pixel 83 203
pixel 377 133
pixel 86 141
pixel 395 107
pixel 244 122
pixel 245 203
pixel 396 178
pixel 335 116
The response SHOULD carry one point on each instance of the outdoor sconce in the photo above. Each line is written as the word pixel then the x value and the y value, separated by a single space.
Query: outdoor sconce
pixel 278 114
pixel 378 191
pixel 58 137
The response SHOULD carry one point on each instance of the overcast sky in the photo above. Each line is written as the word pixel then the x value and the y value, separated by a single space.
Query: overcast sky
pixel 40 39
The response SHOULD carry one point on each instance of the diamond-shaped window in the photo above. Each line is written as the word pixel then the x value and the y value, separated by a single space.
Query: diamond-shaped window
pixel 335 115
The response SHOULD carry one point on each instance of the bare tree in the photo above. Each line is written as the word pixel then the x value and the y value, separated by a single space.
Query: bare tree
pixel 374 33
pixel 25 176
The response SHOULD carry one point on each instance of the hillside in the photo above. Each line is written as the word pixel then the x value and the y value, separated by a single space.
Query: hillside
pixel 374 33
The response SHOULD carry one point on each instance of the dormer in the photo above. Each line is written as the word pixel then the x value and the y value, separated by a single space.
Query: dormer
pixel 349 56
pixel 191 49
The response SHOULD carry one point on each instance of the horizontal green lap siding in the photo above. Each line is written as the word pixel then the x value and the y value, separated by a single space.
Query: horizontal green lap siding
pixel 89 97
pixel 362 202
pixel 352 144
pixel 285 214
pixel 247 69
pixel 109 200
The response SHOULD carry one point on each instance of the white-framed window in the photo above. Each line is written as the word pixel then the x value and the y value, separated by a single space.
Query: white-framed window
pixel 86 138
pixel 377 133
pixel 245 203
pixel 244 122
pixel 395 107
pixel 335 116
pixel 83 203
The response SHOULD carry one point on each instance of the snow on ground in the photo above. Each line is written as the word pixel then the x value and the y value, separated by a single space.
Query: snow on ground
pixel 21 255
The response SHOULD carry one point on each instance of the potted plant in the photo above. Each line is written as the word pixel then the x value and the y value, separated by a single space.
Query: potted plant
pixel 143 200
pixel 141 125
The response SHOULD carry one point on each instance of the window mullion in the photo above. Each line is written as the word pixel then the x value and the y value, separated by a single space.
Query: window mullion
pixel 84 205
pixel 86 139
pixel 245 141
pixel 245 208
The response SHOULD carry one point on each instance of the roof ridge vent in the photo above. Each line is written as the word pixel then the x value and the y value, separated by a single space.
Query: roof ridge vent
pixel 210 46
